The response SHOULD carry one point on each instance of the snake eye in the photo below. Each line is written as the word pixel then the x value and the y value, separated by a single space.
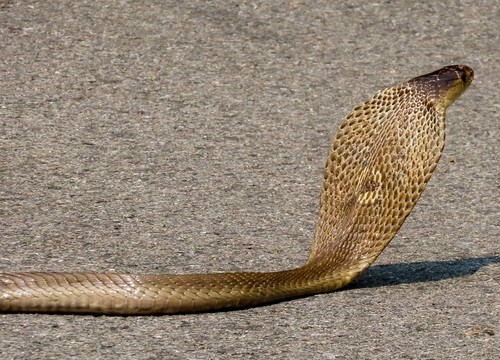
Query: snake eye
pixel 463 77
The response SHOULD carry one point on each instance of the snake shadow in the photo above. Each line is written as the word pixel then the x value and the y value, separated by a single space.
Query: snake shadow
pixel 424 271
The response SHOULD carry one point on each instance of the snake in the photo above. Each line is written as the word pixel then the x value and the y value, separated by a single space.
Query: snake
pixel 379 163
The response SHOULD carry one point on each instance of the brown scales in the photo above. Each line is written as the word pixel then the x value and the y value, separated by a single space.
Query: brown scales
pixel 380 161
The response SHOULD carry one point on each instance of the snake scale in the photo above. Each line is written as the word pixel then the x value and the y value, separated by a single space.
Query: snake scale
pixel 380 162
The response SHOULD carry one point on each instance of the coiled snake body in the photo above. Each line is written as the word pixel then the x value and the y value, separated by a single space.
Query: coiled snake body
pixel 380 161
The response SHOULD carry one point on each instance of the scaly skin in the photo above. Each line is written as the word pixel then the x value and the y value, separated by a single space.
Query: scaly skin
pixel 380 162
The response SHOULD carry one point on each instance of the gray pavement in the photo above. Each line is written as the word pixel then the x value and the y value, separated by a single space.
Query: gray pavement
pixel 151 136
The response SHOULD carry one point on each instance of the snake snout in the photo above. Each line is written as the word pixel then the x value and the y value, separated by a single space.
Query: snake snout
pixel 465 73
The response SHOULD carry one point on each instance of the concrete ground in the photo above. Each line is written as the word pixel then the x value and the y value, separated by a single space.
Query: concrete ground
pixel 152 136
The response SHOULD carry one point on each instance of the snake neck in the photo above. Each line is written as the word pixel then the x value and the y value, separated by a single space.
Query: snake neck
pixel 373 180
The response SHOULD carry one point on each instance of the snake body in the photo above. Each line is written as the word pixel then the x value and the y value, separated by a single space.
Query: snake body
pixel 379 163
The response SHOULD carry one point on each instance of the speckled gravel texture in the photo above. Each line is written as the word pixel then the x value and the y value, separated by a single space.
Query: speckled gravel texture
pixel 190 136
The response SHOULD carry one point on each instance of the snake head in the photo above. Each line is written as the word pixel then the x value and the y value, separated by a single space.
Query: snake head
pixel 445 85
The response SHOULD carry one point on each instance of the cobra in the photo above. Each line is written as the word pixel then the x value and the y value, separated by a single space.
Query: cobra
pixel 380 162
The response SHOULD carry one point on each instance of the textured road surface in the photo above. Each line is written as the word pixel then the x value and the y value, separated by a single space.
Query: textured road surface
pixel 146 136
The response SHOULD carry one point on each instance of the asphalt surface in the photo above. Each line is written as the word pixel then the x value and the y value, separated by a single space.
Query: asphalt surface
pixel 173 137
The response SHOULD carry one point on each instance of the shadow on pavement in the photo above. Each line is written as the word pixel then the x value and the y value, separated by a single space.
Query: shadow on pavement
pixel 425 271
